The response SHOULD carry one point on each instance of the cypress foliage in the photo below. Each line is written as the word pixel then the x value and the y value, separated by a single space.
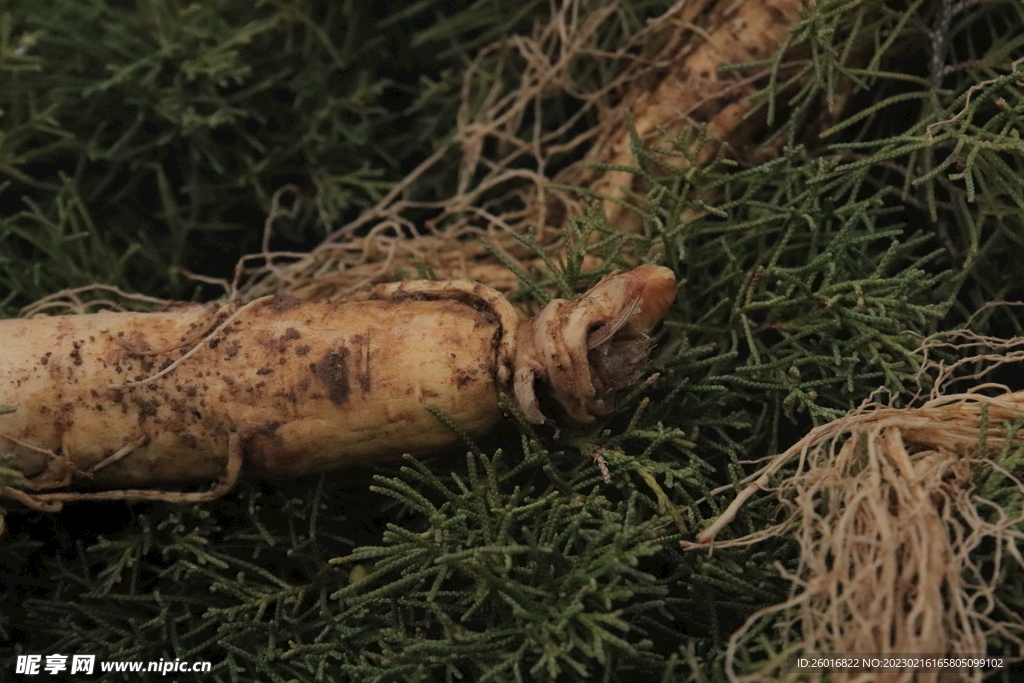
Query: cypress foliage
pixel 138 139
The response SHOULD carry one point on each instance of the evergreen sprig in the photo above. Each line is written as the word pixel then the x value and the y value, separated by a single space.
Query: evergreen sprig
pixel 135 140
pixel 133 137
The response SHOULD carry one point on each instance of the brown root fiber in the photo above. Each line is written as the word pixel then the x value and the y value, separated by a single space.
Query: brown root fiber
pixel 665 79
pixel 886 507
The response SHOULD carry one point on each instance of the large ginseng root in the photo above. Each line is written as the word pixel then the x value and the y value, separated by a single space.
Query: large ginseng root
pixel 114 405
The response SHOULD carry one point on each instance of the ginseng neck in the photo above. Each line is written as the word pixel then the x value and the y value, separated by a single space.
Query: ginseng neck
pixel 576 355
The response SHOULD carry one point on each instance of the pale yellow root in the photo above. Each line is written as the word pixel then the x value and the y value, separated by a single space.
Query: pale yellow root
pixel 133 401
pixel 122 403
pixel 692 93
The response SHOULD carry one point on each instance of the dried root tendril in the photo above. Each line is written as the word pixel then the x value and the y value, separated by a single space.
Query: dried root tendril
pixel 894 526
pixel 667 80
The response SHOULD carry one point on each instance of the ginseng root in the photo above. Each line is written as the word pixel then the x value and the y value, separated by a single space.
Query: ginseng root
pixel 113 405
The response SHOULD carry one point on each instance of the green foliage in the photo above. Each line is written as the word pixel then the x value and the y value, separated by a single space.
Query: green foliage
pixel 527 581
pixel 136 135
pixel 938 135
pixel 136 138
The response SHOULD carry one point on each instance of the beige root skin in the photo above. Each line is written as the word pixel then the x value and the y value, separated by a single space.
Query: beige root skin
pixel 115 405
pixel 275 388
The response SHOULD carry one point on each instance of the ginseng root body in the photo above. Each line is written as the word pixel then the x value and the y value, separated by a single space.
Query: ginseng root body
pixel 114 405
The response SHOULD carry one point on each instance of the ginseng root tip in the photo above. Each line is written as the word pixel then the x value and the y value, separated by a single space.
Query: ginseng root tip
pixel 581 353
